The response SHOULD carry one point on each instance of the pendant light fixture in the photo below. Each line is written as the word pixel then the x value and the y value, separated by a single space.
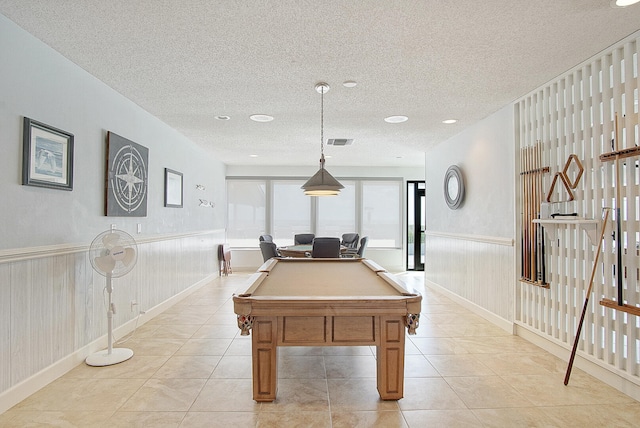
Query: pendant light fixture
pixel 322 183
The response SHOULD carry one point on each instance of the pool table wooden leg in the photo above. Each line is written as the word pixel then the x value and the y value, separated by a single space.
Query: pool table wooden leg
pixel 390 358
pixel 265 358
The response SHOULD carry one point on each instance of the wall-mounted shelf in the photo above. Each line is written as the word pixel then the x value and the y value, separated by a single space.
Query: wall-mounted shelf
pixel 624 153
pixel 634 310
pixel 591 227
pixel 536 283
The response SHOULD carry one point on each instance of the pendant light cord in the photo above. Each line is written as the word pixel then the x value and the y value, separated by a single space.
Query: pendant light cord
pixel 322 127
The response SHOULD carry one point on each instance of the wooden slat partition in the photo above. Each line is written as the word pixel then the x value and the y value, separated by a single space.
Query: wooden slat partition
pixel 576 115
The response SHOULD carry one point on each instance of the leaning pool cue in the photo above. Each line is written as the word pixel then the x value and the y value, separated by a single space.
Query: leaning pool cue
pixel 619 267
pixel 543 269
pixel 586 300
pixel 523 255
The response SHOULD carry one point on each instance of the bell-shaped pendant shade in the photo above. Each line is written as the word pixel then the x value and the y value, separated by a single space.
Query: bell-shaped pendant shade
pixel 322 184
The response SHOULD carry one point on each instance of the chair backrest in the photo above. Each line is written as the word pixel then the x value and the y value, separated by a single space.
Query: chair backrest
pixel 350 240
pixel 266 238
pixel 224 259
pixel 325 248
pixel 268 250
pixel 363 246
pixel 303 238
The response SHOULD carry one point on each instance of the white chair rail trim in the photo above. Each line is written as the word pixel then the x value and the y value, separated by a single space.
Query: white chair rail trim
pixel 29 253
pixel 508 242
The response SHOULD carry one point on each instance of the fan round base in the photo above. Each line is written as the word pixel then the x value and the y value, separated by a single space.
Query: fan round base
pixel 103 358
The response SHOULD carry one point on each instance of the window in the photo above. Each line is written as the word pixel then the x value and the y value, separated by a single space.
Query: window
pixel 291 211
pixel 381 213
pixel 246 212
pixel 337 214
pixel 278 207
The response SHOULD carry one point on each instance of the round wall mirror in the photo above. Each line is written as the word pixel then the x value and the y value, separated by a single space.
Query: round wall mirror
pixel 453 187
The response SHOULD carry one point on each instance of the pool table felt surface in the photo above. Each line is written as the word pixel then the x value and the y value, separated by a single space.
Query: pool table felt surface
pixel 324 278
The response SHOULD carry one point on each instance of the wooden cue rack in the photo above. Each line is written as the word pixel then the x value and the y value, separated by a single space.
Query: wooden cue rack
pixel 532 193
pixel 615 156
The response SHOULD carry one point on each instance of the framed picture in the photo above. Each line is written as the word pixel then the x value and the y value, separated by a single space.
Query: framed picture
pixel 127 178
pixel 172 188
pixel 47 156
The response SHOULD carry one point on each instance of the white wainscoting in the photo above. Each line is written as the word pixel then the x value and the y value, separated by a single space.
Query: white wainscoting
pixel 52 302
pixel 478 269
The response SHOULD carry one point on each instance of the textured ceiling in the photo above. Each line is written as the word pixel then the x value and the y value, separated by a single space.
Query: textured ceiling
pixel 191 60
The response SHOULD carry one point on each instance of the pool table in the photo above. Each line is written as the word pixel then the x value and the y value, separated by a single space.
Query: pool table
pixel 326 302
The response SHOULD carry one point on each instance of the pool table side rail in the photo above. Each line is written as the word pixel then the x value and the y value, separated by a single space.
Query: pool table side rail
pixel 268 265
pixel 372 265
pixel 265 306
pixel 399 286
pixel 255 280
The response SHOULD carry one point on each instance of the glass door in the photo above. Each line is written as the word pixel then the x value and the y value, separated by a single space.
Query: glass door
pixel 416 209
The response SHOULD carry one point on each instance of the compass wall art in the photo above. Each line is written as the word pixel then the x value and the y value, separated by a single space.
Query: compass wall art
pixel 127 177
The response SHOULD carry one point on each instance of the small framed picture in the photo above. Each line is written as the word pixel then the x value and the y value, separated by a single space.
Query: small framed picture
pixel 172 188
pixel 47 156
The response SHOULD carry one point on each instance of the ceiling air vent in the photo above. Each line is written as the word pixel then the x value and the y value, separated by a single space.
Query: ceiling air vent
pixel 339 142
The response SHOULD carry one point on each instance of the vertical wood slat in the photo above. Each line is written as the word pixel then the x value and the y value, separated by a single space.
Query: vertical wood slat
pixel 575 114
pixel 545 138
pixel 633 242
pixel 607 130
pixel 616 89
pixel 598 192
pixel 632 223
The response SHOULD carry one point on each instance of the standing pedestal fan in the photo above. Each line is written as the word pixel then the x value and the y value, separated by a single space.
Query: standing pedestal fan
pixel 112 254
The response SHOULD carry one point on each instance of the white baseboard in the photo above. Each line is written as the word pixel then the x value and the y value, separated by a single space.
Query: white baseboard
pixel 595 368
pixel 478 310
pixel 618 380
pixel 29 386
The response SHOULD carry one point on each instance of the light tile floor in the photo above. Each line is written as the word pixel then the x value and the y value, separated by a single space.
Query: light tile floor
pixel 191 368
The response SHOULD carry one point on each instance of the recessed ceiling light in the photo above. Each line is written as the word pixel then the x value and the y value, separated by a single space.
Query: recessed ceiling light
pixel 349 83
pixel 625 3
pixel 450 121
pixel 261 118
pixel 396 119
pixel 253 156
pixel 223 117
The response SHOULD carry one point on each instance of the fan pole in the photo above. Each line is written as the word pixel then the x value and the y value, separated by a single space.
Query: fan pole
pixel 111 355
pixel 109 316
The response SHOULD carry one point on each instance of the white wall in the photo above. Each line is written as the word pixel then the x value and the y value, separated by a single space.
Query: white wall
pixel 485 153
pixel 37 82
pixel 470 251
pixel 51 301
